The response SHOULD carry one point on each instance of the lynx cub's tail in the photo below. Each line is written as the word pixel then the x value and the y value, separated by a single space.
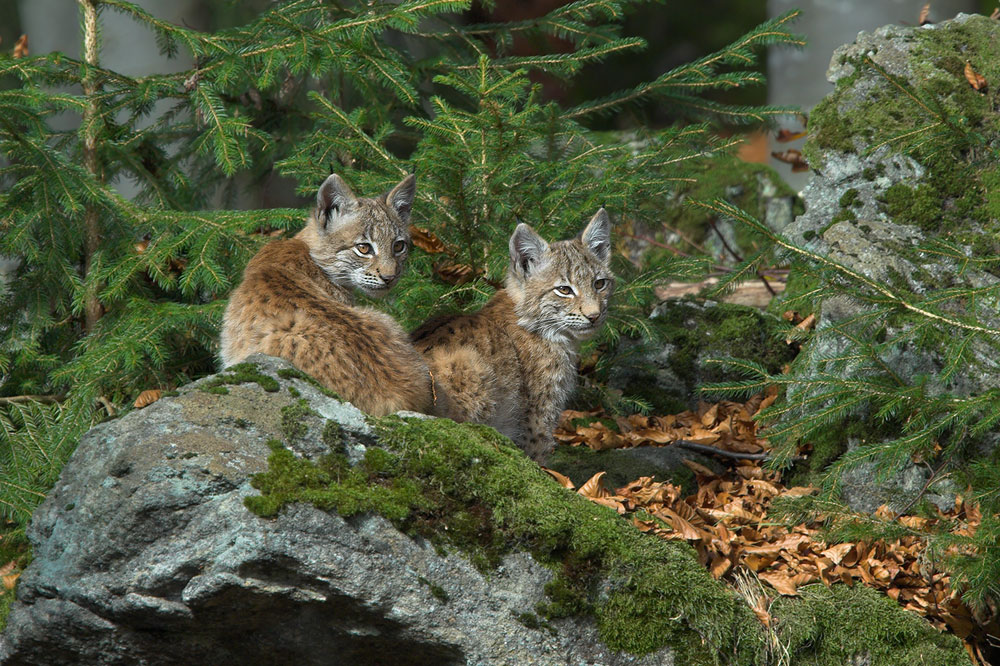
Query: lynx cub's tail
pixel 512 365
pixel 296 302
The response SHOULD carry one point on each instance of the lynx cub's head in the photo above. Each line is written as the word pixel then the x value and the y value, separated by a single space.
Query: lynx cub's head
pixel 561 290
pixel 361 242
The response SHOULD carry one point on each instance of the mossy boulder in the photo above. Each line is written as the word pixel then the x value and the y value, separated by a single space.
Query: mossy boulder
pixel 264 526
pixel 876 194
pixel 904 193
pixel 272 523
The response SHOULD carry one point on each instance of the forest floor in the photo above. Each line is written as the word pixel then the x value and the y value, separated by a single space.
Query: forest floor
pixel 739 523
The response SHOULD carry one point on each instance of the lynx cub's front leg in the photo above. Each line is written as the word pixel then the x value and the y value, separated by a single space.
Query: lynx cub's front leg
pixel 296 301
pixel 525 338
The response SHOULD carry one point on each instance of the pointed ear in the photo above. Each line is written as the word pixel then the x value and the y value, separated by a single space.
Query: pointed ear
pixel 333 200
pixel 400 198
pixel 526 249
pixel 597 235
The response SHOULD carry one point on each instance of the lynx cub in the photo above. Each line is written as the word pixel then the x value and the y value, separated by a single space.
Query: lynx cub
pixel 512 365
pixel 295 301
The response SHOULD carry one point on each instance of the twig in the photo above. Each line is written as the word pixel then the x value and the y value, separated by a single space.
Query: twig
pixel 679 253
pixel 108 407
pixel 685 238
pixel 916 498
pixel 702 448
pixel 47 399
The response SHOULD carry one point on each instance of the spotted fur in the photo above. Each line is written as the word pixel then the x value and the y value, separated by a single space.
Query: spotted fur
pixel 512 365
pixel 295 301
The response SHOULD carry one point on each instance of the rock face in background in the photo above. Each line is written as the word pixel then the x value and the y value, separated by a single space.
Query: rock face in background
pixel 145 553
pixel 871 205
pixel 755 188
pixel 668 375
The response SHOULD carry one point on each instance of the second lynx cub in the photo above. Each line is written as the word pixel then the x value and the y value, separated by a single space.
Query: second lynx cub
pixel 295 301
pixel 512 365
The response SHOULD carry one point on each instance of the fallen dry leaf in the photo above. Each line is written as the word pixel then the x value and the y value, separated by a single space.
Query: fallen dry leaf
pixel 594 488
pixel 426 240
pixel 786 584
pixel 21 47
pixel 10 580
pixel 975 79
pixel 147 397
pixel 925 13
pixel 561 479
pixel 455 274
pixel 837 553
pixel 793 157
pixel 726 520
pixel 784 136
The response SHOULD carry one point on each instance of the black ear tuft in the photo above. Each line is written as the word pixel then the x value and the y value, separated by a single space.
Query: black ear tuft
pixel 334 198
pixel 597 235
pixel 526 249
pixel 400 198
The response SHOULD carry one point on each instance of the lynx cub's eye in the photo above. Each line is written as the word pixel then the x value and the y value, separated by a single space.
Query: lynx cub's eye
pixel 600 284
pixel 364 249
pixel 564 291
pixel 399 247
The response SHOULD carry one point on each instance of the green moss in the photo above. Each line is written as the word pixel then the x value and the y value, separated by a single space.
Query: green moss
pixel 294 392
pixel 436 590
pixel 331 484
pixel 834 626
pixel 467 487
pixel 921 206
pixel 292 419
pixel 850 198
pixel 333 437
pixel 533 621
pixel 844 214
pixel 241 373
pixel 295 373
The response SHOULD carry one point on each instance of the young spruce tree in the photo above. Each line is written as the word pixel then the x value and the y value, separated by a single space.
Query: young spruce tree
pixel 114 295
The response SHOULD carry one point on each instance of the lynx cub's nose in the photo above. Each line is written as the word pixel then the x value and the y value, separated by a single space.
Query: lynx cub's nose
pixel 592 316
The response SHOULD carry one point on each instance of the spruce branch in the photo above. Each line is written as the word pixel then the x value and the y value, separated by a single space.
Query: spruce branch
pixel 725 208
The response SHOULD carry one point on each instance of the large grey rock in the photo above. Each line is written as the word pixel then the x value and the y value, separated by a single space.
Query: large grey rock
pixel 144 553
pixel 872 205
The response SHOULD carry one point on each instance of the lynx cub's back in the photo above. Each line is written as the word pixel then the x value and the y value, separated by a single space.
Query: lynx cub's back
pixel 512 365
pixel 295 301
